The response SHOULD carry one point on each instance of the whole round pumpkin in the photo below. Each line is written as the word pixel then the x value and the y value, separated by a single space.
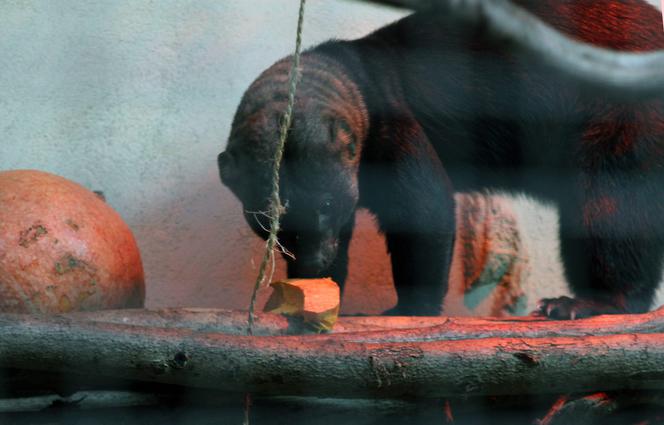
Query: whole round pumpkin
pixel 62 248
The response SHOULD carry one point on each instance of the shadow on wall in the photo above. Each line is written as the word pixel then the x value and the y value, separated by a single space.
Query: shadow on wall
pixel 210 257
pixel 202 253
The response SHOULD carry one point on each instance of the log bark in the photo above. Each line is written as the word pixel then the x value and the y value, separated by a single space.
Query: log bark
pixel 345 365
pixel 81 400
pixel 376 328
pixel 234 322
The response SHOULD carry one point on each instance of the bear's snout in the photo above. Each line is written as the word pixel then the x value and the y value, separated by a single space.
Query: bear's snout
pixel 314 260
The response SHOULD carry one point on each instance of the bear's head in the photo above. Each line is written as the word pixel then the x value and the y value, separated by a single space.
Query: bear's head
pixel 319 168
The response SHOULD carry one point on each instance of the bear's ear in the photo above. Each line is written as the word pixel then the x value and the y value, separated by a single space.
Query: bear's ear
pixel 228 167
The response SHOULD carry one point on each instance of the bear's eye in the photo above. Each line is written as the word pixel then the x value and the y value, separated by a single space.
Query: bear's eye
pixel 325 207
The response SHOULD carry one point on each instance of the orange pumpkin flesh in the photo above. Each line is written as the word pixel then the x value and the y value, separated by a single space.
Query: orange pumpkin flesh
pixel 62 248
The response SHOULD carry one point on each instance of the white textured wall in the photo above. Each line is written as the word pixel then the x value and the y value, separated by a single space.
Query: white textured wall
pixel 136 98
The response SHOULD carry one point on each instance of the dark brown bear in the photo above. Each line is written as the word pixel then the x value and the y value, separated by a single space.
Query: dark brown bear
pixel 397 121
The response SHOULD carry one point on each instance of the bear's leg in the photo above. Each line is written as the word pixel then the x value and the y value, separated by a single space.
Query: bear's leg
pixel 611 247
pixel 338 270
pixel 416 213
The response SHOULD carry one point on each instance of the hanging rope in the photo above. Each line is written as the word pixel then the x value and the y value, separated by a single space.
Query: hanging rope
pixel 275 209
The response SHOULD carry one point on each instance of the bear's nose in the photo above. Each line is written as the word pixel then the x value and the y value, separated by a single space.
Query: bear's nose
pixel 311 266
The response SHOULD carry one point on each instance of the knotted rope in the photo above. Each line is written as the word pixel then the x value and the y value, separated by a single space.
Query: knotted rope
pixel 275 208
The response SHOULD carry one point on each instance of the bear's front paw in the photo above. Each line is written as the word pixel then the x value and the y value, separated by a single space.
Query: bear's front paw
pixel 566 308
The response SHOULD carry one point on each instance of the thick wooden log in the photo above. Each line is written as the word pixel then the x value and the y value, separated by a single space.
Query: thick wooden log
pixel 333 365
pixel 105 399
pixel 81 400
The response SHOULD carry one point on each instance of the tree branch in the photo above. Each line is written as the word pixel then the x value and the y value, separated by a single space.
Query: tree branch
pixel 344 365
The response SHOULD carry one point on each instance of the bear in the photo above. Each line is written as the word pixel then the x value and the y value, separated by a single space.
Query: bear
pixel 398 121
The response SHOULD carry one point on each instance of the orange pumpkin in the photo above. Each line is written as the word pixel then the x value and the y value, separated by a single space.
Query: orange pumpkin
pixel 62 248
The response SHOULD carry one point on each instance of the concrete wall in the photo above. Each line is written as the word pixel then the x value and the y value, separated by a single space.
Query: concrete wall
pixel 136 98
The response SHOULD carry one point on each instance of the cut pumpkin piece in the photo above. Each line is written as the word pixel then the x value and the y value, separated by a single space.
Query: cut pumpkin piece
pixel 315 300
